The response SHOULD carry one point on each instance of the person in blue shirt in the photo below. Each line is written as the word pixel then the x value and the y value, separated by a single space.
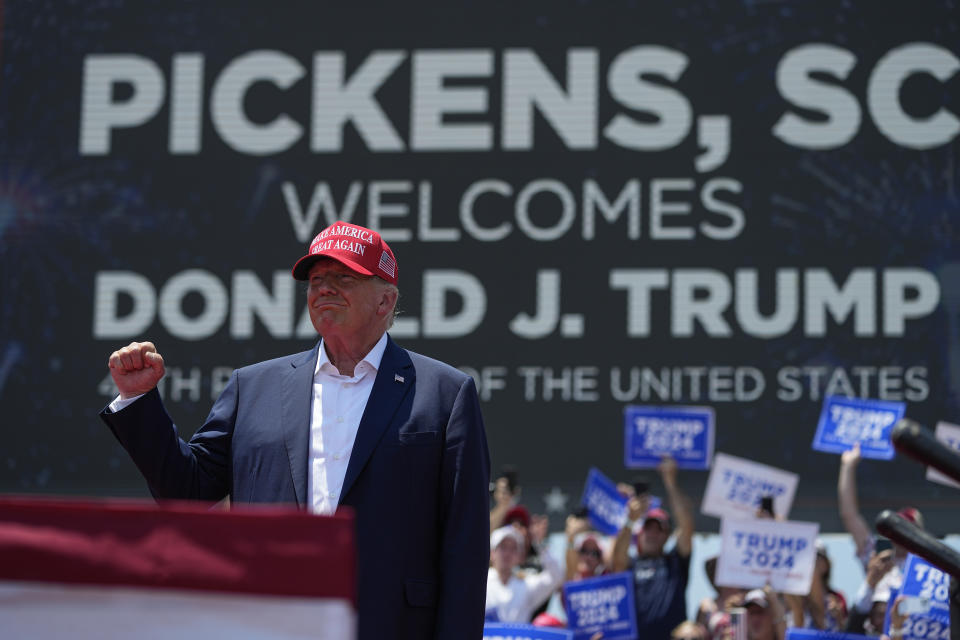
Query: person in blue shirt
pixel 659 576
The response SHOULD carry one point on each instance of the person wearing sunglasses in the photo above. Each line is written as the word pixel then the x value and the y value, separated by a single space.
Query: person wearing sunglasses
pixel 584 554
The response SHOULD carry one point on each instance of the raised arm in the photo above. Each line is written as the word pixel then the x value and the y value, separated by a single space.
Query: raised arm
pixel 853 522
pixel 816 601
pixel 502 502
pixel 542 583
pixel 679 505
pixel 776 612
pixel 575 526
pixel 172 468
pixel 636 508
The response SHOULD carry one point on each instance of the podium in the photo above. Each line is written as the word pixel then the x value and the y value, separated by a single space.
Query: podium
pixel 133 569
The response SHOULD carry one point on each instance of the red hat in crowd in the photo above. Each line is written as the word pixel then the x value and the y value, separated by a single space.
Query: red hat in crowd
pixel 913 515
pixel 547 620
pixel 584 539
pixel 658 515
pixel 353 246
pixel 519 514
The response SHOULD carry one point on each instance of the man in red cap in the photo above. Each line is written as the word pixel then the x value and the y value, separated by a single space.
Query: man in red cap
pixel 659 576
pixel 356 421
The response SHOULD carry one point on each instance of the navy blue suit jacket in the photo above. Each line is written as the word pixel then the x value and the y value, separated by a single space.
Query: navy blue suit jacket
pixel 417 479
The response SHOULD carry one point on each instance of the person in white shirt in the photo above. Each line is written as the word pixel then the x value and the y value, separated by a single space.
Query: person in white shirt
pixel 512 597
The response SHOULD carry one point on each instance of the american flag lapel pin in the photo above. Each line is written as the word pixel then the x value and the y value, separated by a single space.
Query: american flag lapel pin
pixel 397 377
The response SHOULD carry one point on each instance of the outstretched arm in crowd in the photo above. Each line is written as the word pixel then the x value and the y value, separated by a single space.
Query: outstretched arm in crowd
pixel 776 612
pixel 897 619
pixel 853 522
pixel 541 584
pixel 636 508
pixel 812 603
pixel 575 526
pixel 679 505
pixel 502 502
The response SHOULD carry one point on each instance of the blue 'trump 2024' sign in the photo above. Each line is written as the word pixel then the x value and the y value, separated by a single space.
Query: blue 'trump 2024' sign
pixel 603 604
pixel 931 586
pixel 685 433
pixel 845 422
pixel 509 631
pixel 606 507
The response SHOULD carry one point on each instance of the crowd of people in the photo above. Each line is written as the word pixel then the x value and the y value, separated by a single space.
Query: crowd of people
pixel 655 545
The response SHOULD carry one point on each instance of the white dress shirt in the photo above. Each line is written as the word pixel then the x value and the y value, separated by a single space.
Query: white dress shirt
pixel 338 405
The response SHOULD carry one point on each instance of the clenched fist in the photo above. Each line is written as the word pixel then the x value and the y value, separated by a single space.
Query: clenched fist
pixel 136 368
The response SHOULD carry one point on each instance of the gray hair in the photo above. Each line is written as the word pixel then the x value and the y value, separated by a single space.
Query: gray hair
pixel 392 287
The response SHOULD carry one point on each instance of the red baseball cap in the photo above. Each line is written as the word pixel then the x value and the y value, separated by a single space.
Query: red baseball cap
pixel 518 513
pixel 913 515
pixel 353 246
pixel 547 620
pixel 658 515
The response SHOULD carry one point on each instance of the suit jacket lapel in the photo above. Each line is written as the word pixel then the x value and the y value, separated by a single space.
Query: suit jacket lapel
pixel 395 378
pixel 295 417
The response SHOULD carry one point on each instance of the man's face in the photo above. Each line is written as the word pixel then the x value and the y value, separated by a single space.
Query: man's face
pixel 342 301
pixel 878 611
pixel 506 555
pixel 652 537
pixel 759 622
pixel 589 558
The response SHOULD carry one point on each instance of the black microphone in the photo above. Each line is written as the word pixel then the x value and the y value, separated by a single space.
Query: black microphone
pixel 920 444
pixel 916 540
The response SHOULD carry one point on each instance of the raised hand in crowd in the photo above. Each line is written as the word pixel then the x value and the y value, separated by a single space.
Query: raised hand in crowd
pixel 848 501
pixel 503 501
pixel 897 619
pixel 777 611
pixel 809 610
pixel 637 507
pixel 867 617
pixel 881 562
pixel 576 525
pixel 136 369
pixel 679 505
pixel 823 607
pixel 584 557
pixel 626 489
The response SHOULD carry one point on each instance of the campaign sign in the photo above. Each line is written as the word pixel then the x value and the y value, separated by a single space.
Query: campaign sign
pixel 685 433
pixel 606 507
pixel 797 633
pixel 845 422
pixel 928 588
pixel 757 551
pixel 735 487
pixel 506 631
pixel 948 434
pixel 604 604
